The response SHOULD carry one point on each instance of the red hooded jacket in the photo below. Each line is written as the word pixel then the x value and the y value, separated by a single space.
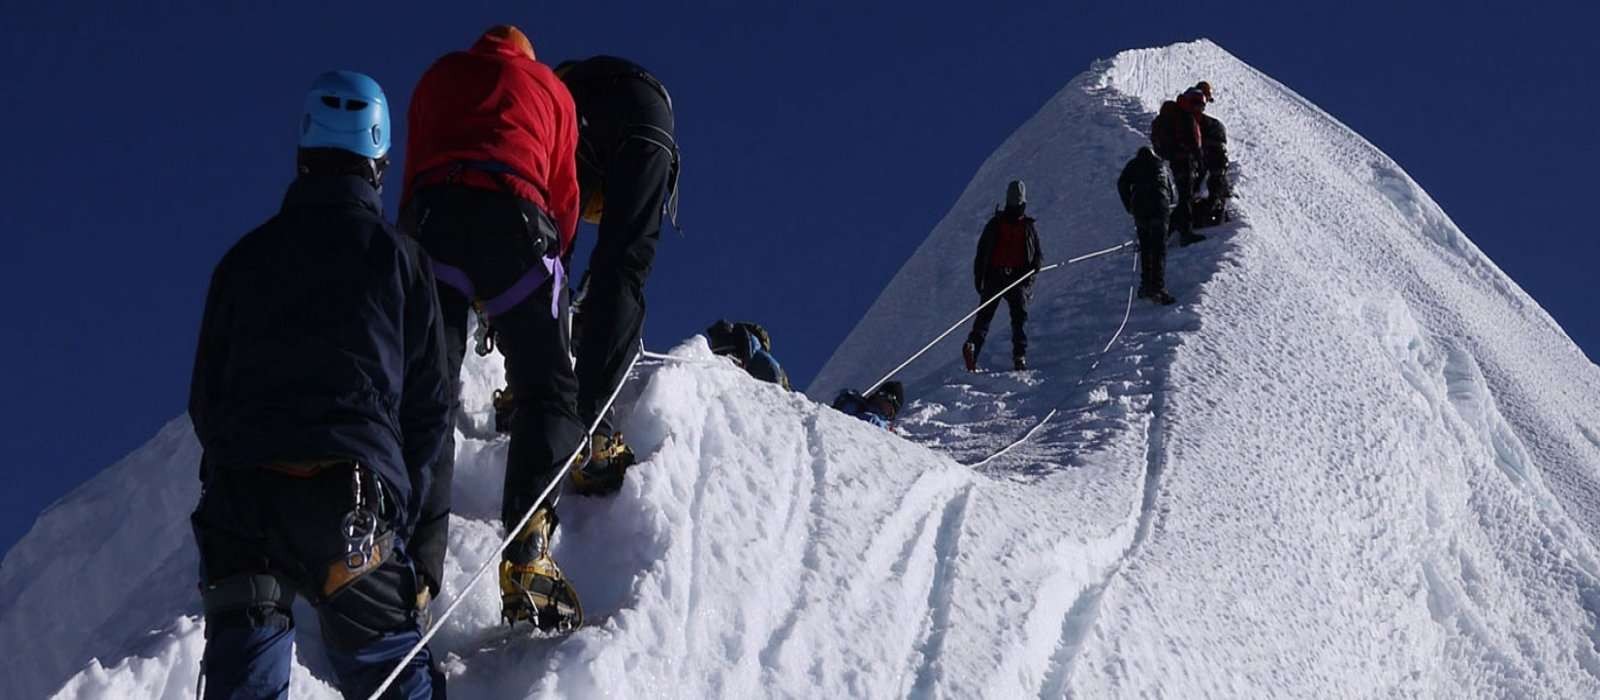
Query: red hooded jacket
pixel 495 107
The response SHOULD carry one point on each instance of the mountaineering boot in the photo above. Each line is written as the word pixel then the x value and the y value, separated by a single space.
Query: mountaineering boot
pixel 1159 296
pixel 601 474
pixel 969 355
pixel 1019 363
pixel 1190 239
pixel 532 588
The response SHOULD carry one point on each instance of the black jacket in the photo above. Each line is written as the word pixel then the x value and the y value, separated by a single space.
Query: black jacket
pixel 1214 142
pixel 991 230
pixel 1146 186
pixel 322 339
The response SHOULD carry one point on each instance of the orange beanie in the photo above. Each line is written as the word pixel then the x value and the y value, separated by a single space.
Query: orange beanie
pixel 512 37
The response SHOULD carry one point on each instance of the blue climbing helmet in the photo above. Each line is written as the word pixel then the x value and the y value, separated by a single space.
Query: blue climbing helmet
pixel 346 110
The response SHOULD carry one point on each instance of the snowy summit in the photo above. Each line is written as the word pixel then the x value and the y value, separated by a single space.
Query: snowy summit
pixel 1354 460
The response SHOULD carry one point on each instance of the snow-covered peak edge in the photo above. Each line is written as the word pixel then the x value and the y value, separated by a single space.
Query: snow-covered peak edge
pixel 933 288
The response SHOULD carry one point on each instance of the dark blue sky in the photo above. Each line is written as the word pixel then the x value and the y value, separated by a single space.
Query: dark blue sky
pixel 820 147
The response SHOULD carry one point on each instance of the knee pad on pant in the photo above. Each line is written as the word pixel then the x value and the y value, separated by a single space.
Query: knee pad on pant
pixel 247 600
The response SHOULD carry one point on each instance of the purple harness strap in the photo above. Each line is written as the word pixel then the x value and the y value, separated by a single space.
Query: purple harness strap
pixel 455 277
pixel 517 293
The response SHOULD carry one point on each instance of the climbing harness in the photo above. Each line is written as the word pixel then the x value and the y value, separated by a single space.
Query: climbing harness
pixel 549 268
pixel 545 242
pixel 360 527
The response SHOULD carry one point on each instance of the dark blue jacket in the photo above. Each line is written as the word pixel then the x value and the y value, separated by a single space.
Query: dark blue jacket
pixel 322 339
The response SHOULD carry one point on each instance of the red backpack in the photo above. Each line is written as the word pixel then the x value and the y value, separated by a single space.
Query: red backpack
pixel 1010 243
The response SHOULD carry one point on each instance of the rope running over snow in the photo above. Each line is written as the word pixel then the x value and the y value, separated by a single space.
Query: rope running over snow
pixel 511 534
pixel 986 302
pixel 1126 313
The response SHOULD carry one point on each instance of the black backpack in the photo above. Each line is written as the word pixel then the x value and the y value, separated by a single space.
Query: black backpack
pixel 734 339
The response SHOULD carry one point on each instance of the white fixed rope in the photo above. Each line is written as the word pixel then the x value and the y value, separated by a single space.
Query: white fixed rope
pixel 986 302
pixel 510 535
pixel 1127 312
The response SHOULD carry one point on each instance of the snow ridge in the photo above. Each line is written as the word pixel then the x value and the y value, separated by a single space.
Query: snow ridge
pixel 1356 456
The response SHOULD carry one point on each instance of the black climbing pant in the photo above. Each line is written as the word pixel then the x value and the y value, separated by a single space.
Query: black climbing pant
pixel 1017 305
pixel 637 172
pixel 1152 253
pixel 491 237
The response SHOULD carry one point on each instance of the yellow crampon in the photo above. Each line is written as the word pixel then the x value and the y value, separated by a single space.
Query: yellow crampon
pixel 601 475
pixel 535 590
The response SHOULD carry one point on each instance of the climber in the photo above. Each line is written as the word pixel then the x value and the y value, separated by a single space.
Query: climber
pixel 750 347
pixel 1213 209
pixel 1008 249
pixel 1175 136
pixel 627 157
pixel 491 191
pixel 879 409
pixel 1148 194
pixel 321 401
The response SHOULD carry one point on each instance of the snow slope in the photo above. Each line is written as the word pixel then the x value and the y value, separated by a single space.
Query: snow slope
pixel 1356 460
pixel 1370 458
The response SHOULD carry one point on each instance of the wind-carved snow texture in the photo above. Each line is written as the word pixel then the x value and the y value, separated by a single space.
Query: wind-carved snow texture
pixel 1355 460
pixel 1318 511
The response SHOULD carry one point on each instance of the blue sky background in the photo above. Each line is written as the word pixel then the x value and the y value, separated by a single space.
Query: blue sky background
pixel 821 144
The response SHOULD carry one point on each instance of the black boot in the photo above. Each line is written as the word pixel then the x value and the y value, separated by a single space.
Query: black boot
pixel 1019 363
pixel 969 355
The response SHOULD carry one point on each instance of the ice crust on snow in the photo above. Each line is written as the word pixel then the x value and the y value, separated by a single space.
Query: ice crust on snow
pixel 1356 460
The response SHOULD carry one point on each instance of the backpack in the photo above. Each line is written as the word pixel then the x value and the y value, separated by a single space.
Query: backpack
pixel 1174 133
pixel 851 403
pixel 738 340
pixel 750 347
pixel 1161 130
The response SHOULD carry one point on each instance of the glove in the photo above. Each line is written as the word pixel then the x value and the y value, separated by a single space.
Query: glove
pixel 428 548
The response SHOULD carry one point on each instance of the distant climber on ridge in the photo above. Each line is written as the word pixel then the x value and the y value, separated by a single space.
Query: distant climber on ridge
pixel 879 409
pixel 491 191
pixel 1008 249
pixel 749 346
pixel 321 401
pixel 1175 136
pixel 1148 194
pixel 1213 209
